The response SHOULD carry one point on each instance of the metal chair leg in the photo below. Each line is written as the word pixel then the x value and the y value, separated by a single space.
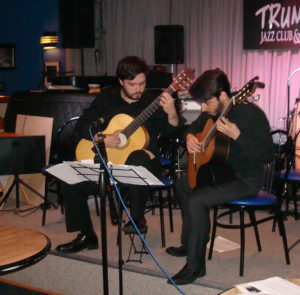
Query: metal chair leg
pixel 162 219
pixel 242 230
pixel 213 234
pixel 253 222
pixel 283 234
pixel 169 197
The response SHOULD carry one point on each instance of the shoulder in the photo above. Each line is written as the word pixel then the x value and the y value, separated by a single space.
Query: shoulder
pixel 248 115
pixel 250 109
pixel 108 95
pixel 110 92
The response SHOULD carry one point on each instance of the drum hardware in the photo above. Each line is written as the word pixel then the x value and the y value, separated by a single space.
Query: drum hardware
pixel 179 167
pixel 288 102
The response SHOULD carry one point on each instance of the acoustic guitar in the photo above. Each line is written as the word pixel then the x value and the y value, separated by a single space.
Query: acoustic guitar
pixel 133 135
pixel 215 145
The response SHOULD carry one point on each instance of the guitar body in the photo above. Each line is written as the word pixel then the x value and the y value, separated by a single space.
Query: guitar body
pixel 138 140
pixel 217 151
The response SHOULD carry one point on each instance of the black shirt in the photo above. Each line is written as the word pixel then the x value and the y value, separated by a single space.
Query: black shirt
pixel 253 148
pixel 110 103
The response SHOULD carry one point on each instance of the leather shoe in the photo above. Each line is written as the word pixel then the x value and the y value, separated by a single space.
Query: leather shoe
pixel 80 243
pixel 187 276
pixel 177 251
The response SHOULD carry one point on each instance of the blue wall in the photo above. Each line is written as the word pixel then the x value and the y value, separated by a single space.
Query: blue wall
pixel 23 22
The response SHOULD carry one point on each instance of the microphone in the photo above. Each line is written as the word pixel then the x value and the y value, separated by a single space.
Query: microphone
pixel 99 122
pixel 260 85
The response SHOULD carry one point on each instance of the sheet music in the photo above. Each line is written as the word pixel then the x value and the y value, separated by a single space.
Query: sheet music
pixel 131 174
pixel 75 172
pixel 65 171
pixel 270 286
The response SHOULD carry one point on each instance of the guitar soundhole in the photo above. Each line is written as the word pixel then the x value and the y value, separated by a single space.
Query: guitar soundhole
pixel 124 142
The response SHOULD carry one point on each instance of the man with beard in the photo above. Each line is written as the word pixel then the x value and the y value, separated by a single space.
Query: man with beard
pixel 131 99
pixel 241 176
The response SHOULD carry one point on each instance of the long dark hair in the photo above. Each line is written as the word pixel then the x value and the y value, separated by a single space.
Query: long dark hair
pixel 210 83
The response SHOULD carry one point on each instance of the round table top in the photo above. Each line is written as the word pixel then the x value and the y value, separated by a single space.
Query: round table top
pixel 235 291
pixel 21 247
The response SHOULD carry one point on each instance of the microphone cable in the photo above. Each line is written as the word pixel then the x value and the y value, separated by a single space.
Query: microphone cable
pixel 128 214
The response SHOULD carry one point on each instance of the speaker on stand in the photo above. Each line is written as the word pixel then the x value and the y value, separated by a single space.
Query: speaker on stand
pixel 169 45
pixel 76 20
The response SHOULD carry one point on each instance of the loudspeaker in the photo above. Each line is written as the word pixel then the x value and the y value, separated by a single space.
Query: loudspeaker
pixel 169 44
pixel 22 154
pixel 157 79
pixel 76 20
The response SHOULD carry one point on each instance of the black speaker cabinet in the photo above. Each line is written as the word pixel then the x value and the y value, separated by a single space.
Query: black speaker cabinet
pixel 76 20
pixel 22 154
pixel 169 44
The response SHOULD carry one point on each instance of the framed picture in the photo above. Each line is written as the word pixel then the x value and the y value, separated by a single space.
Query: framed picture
pixel 51 71
pixel 7 56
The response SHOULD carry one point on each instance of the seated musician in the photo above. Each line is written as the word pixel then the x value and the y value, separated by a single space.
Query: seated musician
pixel 240 176
pixel 131 99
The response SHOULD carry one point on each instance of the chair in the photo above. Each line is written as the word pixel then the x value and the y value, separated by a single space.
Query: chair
pixel 166 188
pixel 64 151
pixel 167 151
pixel 263 200
pixel 288 179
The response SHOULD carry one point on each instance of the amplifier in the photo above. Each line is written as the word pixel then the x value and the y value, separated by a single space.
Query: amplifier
pixel 190 110
pixel 21 154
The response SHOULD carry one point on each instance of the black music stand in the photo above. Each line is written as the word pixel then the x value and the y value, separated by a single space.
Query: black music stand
pixel 74 172
pixel 21 155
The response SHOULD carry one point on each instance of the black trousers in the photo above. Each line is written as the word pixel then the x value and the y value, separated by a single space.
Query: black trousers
pixel 75 196
pixel 77 211
pixel 195 207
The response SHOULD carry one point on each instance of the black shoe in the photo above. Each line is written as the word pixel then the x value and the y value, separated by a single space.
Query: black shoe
pixel 187 276
pixel 177 251
pixel 130 229
pixel 80 243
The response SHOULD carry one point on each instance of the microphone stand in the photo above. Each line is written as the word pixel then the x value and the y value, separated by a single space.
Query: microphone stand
pixel 102 194
pixel 103 182
pixel 121 261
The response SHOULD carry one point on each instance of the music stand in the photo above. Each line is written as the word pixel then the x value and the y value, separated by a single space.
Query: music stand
pixel 74 172
pixel 21 154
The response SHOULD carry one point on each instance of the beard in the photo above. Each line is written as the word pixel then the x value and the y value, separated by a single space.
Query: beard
pixel 220 107
pixel 132 96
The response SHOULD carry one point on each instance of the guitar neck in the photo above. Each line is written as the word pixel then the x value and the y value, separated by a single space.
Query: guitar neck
pixel 209 136
pixel 145 114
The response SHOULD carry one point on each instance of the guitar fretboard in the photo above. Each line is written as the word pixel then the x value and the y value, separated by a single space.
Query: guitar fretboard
pixel 145 114
pixel 213 130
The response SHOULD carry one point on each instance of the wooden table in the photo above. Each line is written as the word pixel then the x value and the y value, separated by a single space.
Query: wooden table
pixel 21 247
pixel 235 291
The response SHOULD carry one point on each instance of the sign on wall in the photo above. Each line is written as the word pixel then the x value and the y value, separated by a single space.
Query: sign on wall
pixel 271 24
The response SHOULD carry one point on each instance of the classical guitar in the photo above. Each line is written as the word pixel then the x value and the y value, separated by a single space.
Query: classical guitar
pixel 132 134
pixel 215 145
